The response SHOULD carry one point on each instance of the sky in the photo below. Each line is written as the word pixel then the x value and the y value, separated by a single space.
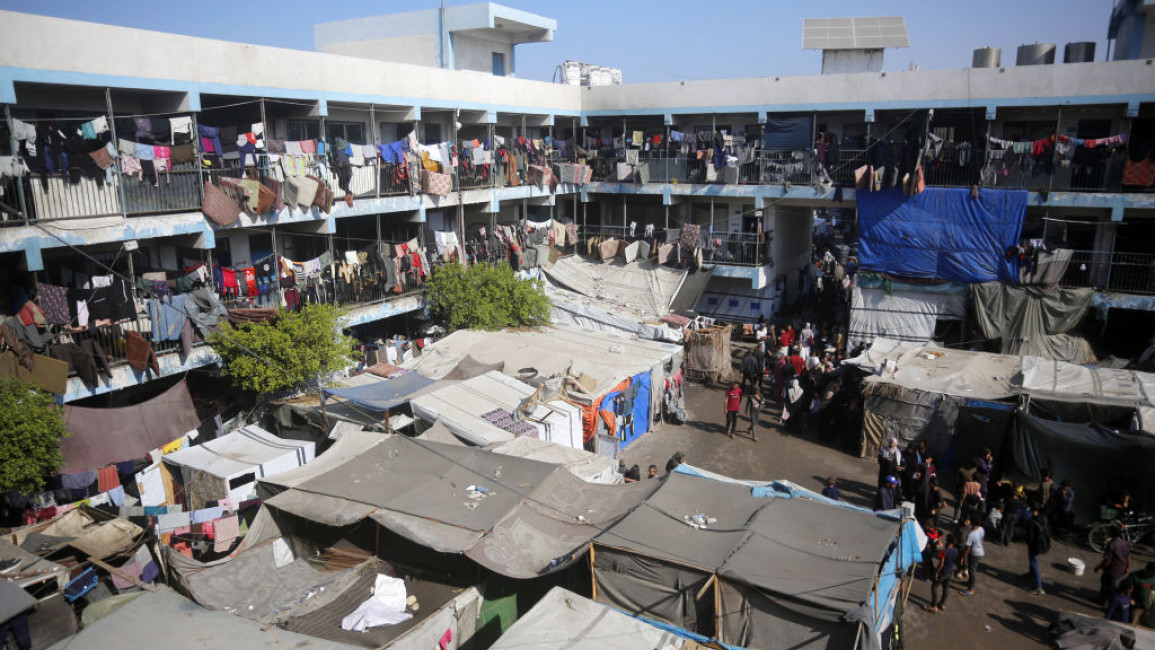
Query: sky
pixel 650 40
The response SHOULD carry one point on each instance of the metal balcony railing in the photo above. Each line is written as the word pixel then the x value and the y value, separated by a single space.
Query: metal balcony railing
pixel 112 339
pixel 1122 272
pixel 735 248
pixel 178 190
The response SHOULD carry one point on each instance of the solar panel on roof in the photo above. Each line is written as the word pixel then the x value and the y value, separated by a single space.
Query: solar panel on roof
pixel 873 32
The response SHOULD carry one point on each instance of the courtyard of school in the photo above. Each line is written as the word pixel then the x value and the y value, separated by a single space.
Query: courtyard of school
pixel 1001 614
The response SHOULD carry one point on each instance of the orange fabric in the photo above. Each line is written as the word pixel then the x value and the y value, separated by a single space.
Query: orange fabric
pixel 590 413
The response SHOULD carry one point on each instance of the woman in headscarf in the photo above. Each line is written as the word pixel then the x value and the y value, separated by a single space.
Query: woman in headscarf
pixel 795 405
pixel 889 460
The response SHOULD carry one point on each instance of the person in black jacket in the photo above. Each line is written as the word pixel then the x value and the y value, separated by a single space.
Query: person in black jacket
pixel 1038 543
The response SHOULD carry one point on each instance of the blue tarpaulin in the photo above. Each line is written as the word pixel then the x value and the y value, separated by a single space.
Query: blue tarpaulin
pixel 941 233
pixel 383 395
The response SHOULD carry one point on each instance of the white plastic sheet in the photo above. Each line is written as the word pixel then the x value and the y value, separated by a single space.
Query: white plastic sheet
pixel 385 607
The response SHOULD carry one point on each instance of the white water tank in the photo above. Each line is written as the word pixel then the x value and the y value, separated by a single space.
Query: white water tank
pixel 1036 54
pixel 1082 52
pixel 987 57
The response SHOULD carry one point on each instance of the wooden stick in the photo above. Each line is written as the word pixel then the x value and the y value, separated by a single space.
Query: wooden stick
pixel 702 591
pixel 121 574
pixel 593 575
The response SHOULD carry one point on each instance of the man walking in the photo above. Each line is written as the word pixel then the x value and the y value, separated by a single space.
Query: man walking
pixel 1115 565
pixel 754 412
pixel 947 561
pixel 733 405
pixel 887 497
pixel 752 371
pixel 1038 543
pixel 973 553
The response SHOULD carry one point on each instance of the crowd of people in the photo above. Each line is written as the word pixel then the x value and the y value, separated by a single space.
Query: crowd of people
pixel 1006 514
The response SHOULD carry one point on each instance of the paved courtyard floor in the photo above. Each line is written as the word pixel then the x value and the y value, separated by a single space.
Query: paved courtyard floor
pixel 1001 614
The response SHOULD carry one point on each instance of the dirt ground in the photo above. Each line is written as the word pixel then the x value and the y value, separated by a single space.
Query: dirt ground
pixel 1001 614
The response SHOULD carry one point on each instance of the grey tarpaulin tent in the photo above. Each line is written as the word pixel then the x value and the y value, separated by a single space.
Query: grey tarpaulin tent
pixel 563 619
pixel 536 512
pixel 788 568
pixel 166 619
pixel 1093 456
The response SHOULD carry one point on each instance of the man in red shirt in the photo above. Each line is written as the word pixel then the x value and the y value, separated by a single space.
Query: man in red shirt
pixel 787 338
pixel 795 359
pixel 733 405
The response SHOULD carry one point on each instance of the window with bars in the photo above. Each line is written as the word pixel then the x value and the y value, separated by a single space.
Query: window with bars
pixel 302 129
pixel 352 131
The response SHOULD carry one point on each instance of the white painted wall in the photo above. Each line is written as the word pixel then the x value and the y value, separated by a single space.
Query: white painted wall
pixel 790 249
pixel 22 45
pixel 476 54
pixel 415 49
pixel 962 85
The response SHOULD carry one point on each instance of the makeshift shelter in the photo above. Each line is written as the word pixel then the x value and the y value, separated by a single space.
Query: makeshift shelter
pixel 1032 321
pixel 228 467
pixel 1073 419
pixel 1072 630
pixel 708 353
pixel 463 406
pixel 91 532
pixel 563 619
pixel 903 314
pixel 593 367
pixel 522 518
pixel 592 315
pixel 384 394
pixel 103 436
pixel 786 567
pixel 587 466
pixel 33 570
pixel 164 618
pixel 646 290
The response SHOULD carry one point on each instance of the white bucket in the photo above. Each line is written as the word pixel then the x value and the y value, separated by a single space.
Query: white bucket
pixel 1076 565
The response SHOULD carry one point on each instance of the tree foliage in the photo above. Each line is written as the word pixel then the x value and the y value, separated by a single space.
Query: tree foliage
pixel 286 353
pixel 487 297
pixel 31 426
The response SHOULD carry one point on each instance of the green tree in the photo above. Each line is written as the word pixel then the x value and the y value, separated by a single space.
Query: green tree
pixel 286 353
pixel 31 426
pixel 487 297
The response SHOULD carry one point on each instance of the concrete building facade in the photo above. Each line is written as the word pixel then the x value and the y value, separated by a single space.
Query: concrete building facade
pixel 431 73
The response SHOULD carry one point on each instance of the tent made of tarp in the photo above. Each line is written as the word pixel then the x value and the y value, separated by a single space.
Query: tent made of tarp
pixel 228 467
pixel 708 352
pixel 563 619
pixel 95 533
pixel 601 361
pixel 593 315
pixel 461 405
pixel 606 360
pixel 164 618
pixel 790 568
pixel 1088 454
pixel 13 601
pixel 588 466
pixel 103 436
pixel 33 569
pixel 520 518
pixel 382 395
pixel 640 291
pixel 902 315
